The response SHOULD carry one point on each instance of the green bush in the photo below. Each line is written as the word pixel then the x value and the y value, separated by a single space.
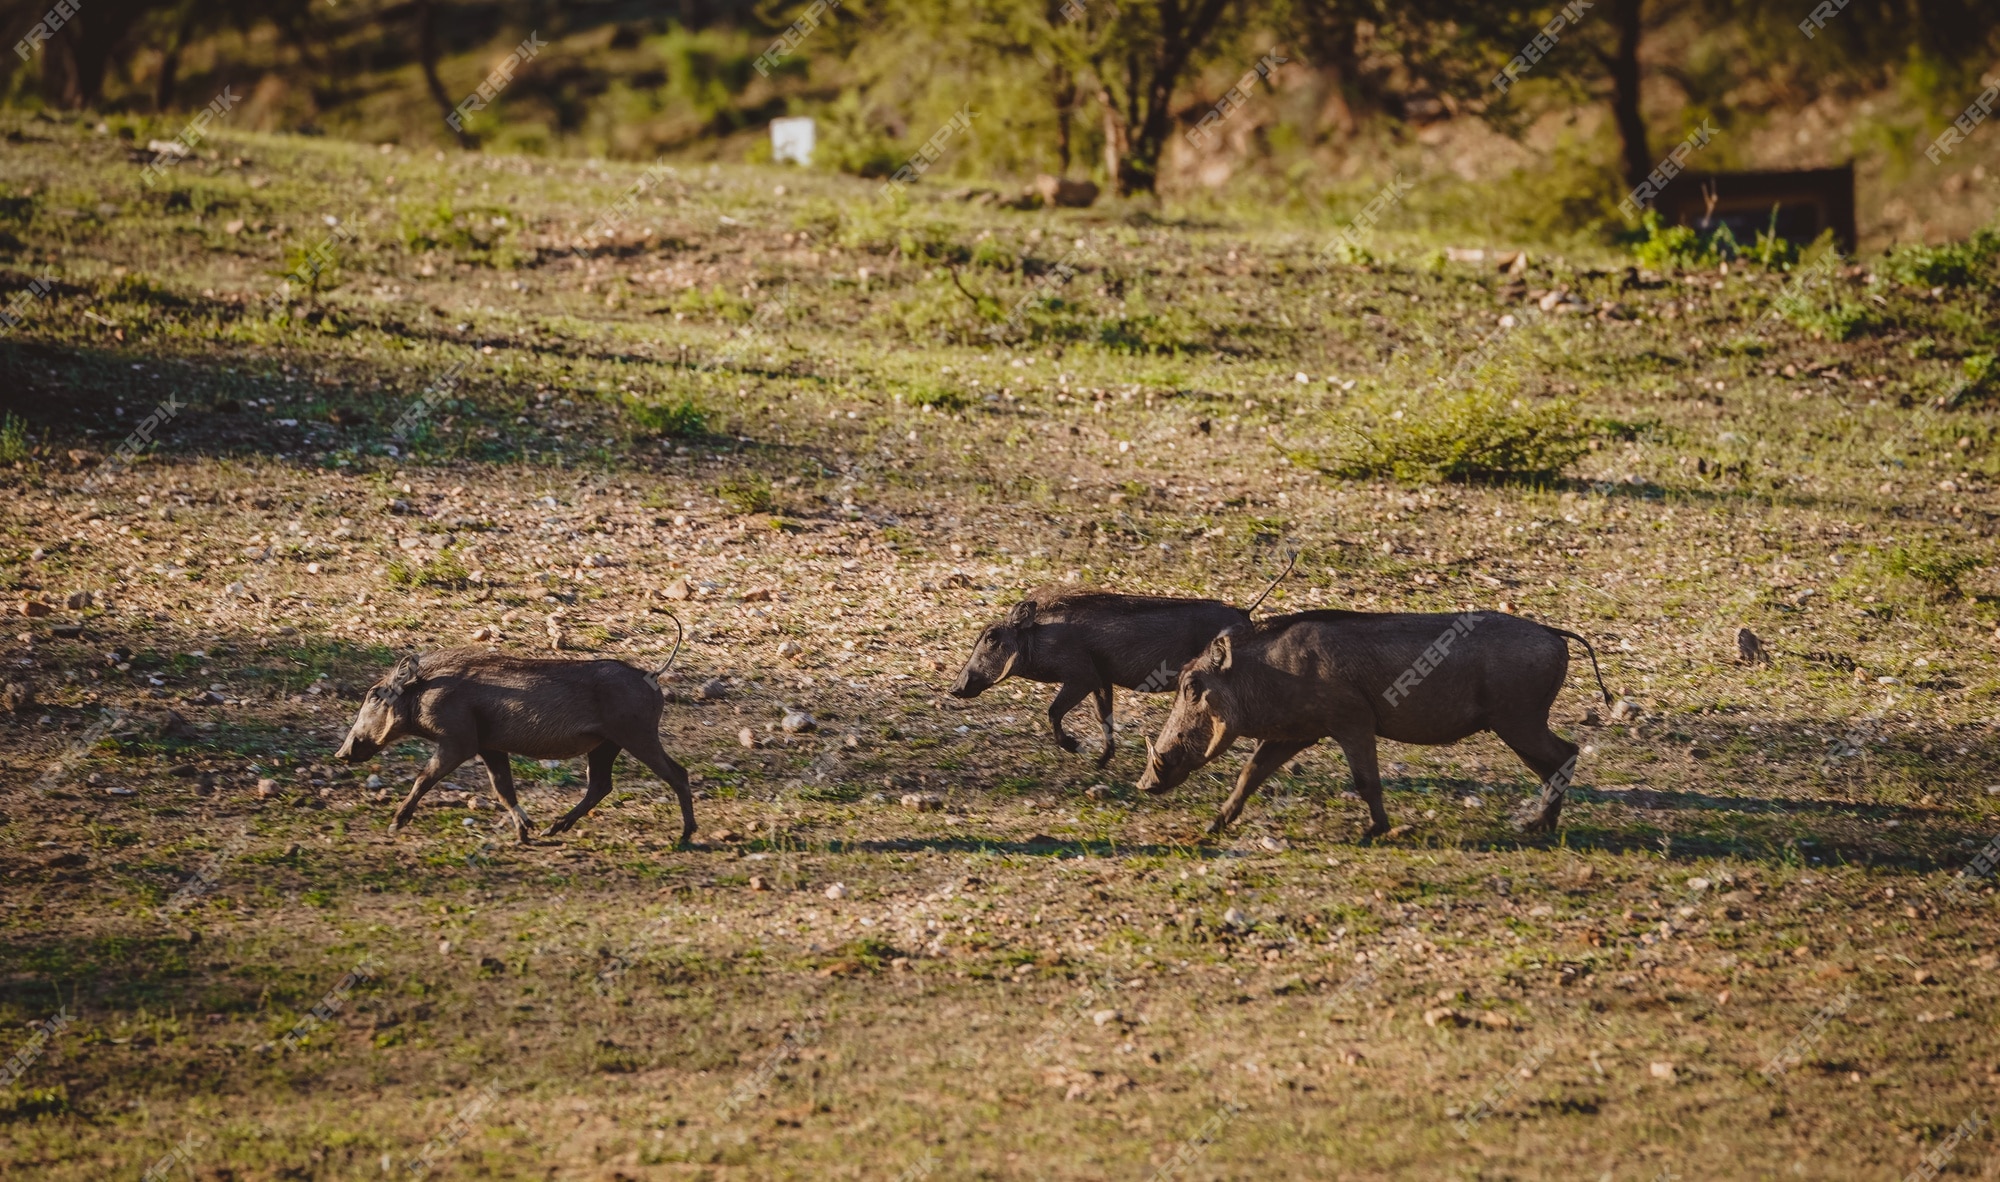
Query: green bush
pixel 1477 436
pixel 1955 264
pixel 1663 247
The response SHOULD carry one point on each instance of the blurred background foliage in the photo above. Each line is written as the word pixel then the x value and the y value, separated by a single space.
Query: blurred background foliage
pixel 1351 91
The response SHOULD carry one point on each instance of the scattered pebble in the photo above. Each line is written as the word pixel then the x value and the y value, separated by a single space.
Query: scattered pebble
pixel 836 891
pixel 797 722
pixel 923 802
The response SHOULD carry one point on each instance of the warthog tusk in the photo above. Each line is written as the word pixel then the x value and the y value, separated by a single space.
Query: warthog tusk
pixel 1007 668
pixel 1217 740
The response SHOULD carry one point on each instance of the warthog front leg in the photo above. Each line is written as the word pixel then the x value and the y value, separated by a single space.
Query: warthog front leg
pixel 502 775
pixel 446 760
pixel 1067 697
pixel 1269 756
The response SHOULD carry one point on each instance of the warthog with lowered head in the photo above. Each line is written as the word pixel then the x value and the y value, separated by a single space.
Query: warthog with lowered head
pixel 1353 677
pixel 1091 641
pixel 472 701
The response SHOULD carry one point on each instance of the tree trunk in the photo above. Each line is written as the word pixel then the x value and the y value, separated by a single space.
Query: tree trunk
pixel 1114 141
pixel 427 55
pixel 170 62
pixel 1625 112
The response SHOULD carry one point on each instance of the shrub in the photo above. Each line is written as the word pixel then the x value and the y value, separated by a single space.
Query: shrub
pixel 1955 264
pixel 945 398
pixel 1465 437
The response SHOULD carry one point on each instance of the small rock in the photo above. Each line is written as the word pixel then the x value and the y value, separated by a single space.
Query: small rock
pixel 1749 649
pixel 1697 884
pixel 757 595
pixel 1495 1020
pixel 923 802
pixel 836 891
pixel 1098 792
pixel 596 561
pixel 1624 711
pixel 790 648
pixel 36 608
pixel 1105 1017
pixel 444 947
pixel 373 782
pixel 1273 844
pixel 797 722
pixel 1662 1070
pixel 1592 718
pixel 678 589
pixel 78 600
pixel 1443 1015
pixel 266 788
pixel 747 737
pixel 1924 977
pixel 757 883
pixel 119 791
pixel 1235 918
pixel 485 633
pixel 712 690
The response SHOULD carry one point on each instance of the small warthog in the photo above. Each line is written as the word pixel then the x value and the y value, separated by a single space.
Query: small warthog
pixel 1290 681
pixel 471 701
pixel 1092 641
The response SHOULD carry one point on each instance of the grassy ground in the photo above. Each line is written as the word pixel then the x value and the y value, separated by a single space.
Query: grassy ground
pixel 780 414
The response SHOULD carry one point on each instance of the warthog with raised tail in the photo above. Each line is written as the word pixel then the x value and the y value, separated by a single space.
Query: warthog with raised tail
pixel 1353 677
pixel 471 701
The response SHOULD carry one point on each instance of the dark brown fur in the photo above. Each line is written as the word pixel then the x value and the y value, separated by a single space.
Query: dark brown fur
pixel 476 702
pixel 1091 641
pixel 1291 681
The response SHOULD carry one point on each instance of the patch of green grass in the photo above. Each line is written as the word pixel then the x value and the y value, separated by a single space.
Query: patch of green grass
pixel 1938 568
pixel 13 439
pixel 1476 436
pixel 680 419
pixel 447 569
pixel 748 493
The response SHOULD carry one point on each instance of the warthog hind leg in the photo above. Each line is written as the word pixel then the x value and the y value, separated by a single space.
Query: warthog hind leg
pixel 1067 697
pixel 1360 751
pixel 597 786
pixel 1553 759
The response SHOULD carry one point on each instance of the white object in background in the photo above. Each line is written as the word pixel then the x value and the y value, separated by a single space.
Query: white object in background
pixel 792 139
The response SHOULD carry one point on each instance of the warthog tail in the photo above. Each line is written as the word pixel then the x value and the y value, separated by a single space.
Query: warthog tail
pixel 678 635
pixel 1274 583
pixel 1593 660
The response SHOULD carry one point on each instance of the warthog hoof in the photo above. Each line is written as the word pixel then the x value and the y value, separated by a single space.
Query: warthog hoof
pixel 1374 831
pixel 1538 821
pixel 1068 743
pixel 1104 759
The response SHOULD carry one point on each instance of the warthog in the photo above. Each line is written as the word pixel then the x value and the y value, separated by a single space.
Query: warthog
pixel 474 702
pixel 1089 642
pixel 1290 681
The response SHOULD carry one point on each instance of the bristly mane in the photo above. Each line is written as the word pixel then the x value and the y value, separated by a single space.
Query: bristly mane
pixel 1057 595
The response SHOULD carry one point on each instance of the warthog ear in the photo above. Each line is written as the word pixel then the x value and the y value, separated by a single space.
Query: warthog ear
pixel 404 675
pixel 1023 615
pixel 1220 654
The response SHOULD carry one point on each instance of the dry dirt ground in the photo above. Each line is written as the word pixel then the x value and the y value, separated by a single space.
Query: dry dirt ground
pixel 1744 955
